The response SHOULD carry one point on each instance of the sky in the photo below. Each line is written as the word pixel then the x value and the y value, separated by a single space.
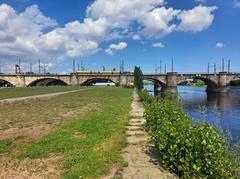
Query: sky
pixel 99 33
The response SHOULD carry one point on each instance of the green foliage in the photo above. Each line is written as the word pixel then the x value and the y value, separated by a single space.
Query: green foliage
pixel 145 97
pixel 235 158
pixel 187 149
pixel 170 96
pixel 235 83
pixel 194 83
pixel 138 78
pixel 5 145
pixel 200 83
pixel 148 83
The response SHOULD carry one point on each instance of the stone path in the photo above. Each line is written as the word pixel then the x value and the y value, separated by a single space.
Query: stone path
pixel 11 100
pixel 140 156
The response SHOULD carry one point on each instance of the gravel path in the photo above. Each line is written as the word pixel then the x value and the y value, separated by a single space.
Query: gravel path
pixel 140 156
pixel 11 100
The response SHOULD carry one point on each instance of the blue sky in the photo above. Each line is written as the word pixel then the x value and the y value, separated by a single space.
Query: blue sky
pixel 190 32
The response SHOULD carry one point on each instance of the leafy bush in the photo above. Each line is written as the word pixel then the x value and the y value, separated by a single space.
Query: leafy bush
pixel 235 83
pixel 145 97
pixel 187 149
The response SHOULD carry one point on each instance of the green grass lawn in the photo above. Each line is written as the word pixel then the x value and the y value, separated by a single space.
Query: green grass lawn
pixel 89 145
pixel 31 91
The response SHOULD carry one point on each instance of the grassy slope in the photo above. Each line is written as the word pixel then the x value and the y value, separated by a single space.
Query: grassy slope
pixel 91 144
pixel 22 92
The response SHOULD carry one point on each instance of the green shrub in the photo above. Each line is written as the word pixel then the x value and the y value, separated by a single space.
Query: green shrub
pixel 145 97
pixel 235 83
pixel 187 149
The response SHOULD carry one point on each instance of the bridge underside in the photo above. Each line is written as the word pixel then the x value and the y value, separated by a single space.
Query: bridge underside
pixel 93 81
pixel 4 83
pixel 47 82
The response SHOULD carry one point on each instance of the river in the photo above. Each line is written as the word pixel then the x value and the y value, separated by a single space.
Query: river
pixel 222 110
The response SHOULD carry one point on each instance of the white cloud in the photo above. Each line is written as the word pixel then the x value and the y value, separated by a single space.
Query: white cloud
pixel 22 36
pixel 201 1
pixel 157 23
pixel 115 47
pixel 30 34
pixel 236 3
pixel 136 37
pixel 196 19
pixel 158 45
pixel 76 38
pixel 220 45
pixel 152 19
pixel 19 32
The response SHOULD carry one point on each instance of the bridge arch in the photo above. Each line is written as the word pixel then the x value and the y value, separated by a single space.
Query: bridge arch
pixel 235 81
pixel 154 80
pixel 207 81
pixel 47 82
pixel 210 83
pixel 92 81
pixel 6 83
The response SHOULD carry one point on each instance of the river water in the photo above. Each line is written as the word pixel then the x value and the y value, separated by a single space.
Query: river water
pixel 218 109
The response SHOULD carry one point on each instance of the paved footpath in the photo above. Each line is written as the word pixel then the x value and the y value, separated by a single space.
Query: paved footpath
pixel 11 100
pixel 140 156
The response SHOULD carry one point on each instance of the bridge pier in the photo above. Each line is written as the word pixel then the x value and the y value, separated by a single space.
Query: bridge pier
pixel 222 85
pixel 171 83
pixel 125 79
pixel 20 81
pixel 157 88
pixel 74 80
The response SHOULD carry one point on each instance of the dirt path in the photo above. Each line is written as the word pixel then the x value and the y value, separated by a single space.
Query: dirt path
pixel 140 156
pixel 11 100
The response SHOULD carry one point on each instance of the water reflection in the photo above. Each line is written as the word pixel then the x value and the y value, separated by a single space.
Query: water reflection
pixel 220 100
pixel 221 109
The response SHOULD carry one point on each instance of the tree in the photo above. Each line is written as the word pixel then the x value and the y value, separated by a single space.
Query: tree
pixel 138 78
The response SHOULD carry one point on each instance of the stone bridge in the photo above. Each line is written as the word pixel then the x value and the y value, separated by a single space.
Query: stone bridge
pixel 76 79
pixel 215 82
pixel 165 82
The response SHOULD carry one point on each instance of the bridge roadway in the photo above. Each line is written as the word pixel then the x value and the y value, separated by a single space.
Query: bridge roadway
pixel 165 82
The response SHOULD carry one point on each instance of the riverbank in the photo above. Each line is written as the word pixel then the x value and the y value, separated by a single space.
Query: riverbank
pixel 141 157
pixel 188 149
pixel 67 136
pixel 221 110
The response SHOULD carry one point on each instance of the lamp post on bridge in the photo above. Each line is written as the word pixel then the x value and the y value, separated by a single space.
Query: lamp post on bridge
pixel 160 66
pixel 212 66
pixel 228 65
pixel 74 70
pixel 19 65
pixel 30 67
pixel 39 67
